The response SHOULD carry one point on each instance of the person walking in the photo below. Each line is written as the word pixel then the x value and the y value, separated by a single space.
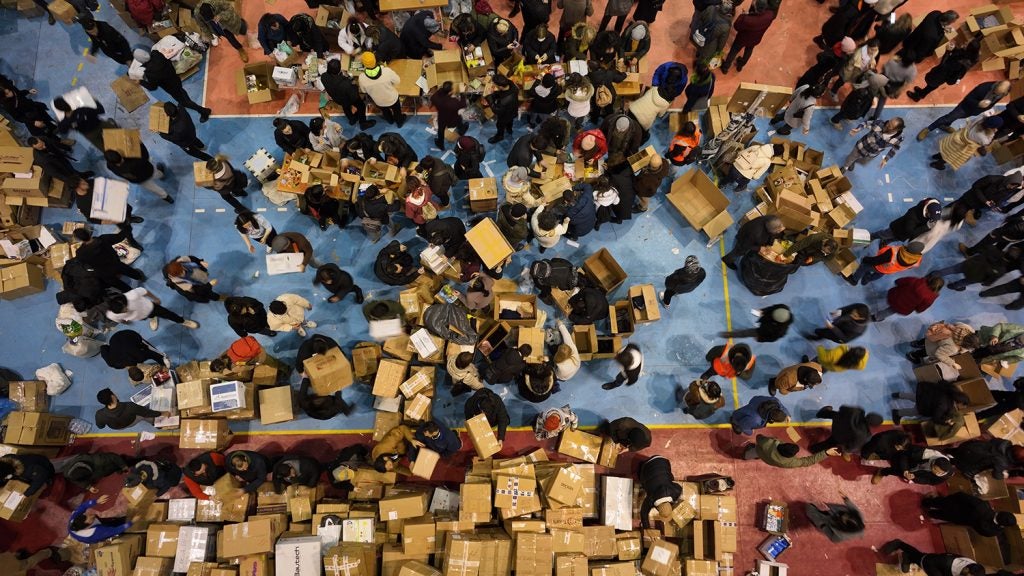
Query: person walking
pixel 844 325
pixel 800 110
pixel 449 115
pixel 927 36
pixel 380 83
pixel 979 100
pixel 287 312
pixel 750 30
pixel 851 428
pixel 759 412
pixel 772 324
pixel 140 304
pixel 247 316
pixel 838 522
pixel 631 364
pixel 119 415
pixel 228 182
pixel 160 73
pixel 916 221
pixel 105 38
pixel 858 102
pixel 881 136
pixel 139 171
pixel 218 19
pixel 573 12
pixel 683 281
pixel 98 253
pixel 890 259
pixel 504 102
pixel 779 454
pixel 190 277
pixel 181 132
pixel 84 119
pixel 795 378
pixel 910 295
pixel 759 232
pixel 701 399
pixel 617 9
pixel 972 140
pixel 254 227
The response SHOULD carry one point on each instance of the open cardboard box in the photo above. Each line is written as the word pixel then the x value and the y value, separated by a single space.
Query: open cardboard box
pixel 607 347
pixel 701 203
pixel 776 97
pixel 604 270
pixel 505 301
pixel 969 430
pixel 650 312
pixel 975 18
pixel 256 82
pixel 585 338
pixel 620 319
pixel 447 67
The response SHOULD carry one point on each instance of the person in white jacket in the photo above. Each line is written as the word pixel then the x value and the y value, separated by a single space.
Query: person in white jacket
pixel 288 312
pixel 380 83
pixel 800 110
pixel 324 135
pixel 547 228
pixel 352 38
pixel 567 356
pixel 605 197
pixel 750 164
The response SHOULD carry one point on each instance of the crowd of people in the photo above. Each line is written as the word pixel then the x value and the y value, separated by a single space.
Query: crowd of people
pixel 575 115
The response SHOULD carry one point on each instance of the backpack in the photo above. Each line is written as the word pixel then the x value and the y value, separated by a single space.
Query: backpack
pixel 556 273
pixel 603 96
pixel 244 350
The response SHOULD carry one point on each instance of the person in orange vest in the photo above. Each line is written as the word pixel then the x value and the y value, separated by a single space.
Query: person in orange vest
pixel 730 361
pixel 682 150
pixel 891 259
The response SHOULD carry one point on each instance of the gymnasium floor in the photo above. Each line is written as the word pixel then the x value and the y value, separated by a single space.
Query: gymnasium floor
pixel 649 247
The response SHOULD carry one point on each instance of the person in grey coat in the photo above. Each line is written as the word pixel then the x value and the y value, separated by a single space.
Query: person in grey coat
pixel 839 522
pixel 715 24
pixel 619 9
pixel 573 12
pixel 800 110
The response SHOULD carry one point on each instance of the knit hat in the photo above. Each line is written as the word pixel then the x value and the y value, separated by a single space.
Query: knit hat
pixel 518 175
pixel 992 122
pixel 621 124
pixel 877 81
pixel 781 315
pixel 369 60
pixel 638 33
pixel 279 244
pixel 548 81
pixel 915 247
pixel 141 55
pixel 432 26
pixel 692 265
pixel 933 211
pixel 848 45
pixel 588 142
pixel 552 422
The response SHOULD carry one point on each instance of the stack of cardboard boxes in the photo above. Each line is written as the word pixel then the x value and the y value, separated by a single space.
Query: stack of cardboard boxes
pixel 30 430
pixel 1002 46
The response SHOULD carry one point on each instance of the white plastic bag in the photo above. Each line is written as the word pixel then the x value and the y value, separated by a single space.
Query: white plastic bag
pixel 71 323
pixel 253 39
pixel 290 107
pixel 82 347
pixel 56 379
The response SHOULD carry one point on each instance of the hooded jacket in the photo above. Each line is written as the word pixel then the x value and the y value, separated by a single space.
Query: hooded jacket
pixel 658 484
pixel 98 464
pixel 123 415
pixel 391 254
pixel 914 222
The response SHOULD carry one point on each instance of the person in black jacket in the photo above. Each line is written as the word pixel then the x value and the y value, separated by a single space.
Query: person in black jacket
pixel 343 91
pixel 396 150
pixel 98 252
pixel 848 323
pixel 55 160
pixel 683 280
pixel 976 456
pixel 338 282
pixel 107 39
pixel 315 344
pixel 509 366
pixel 32 469
pixel 160 73
pixel 504 102
pixel 502 39
pixel 468 30
pixel 914 222
pixel 205 469
pixel 374 213
pixel 927 36
pixel 308 36
pixel 448 108
pixel 87 470
pixel 291 135
pixel 851 428
pixel 139 171
pixel 440 176
pixel 539 44
pixel 916 465
pixel 469 153
pixel 448 233
pixel 536 14
pixel 660 489
pixel 181 132
pixel 631 363
pixel 120 415
pixel 543 98
pixel 127 348
pixel 247 316
pixel 154 474
pixel 885 445
pixel 296 471
pixel 932 564
pixel 485 402
pixel 395 266
pixel 384 44
pixel 85 119
pixel 629 434
pixel 1006 401
pixel 772 324
pixel 952 67
pixel 416 34
pixel 323 209
pixel 321 407
pixel 537 383
pixel 968 510
pixel 587 306
pixel 760 231
pixel 272 30
pixel 940 402
pixel 248 467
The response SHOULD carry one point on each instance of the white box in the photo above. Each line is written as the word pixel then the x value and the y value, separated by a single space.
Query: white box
pixel 617 502
pixel 387 404
pixel 357 530
pixel 424 345
pixel 144 396
pixel 444 500
pixel 226 396
pixel 297 556
pixel 283 75
pixel 433 258
pixel 19 251
pixel 284 263
pixel 766 568
pixel 181 509
pixel 162 398
pixel 109 200
pixel 195 544
pixel 261 164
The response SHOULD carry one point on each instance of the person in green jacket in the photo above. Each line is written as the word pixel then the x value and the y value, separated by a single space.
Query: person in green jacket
pixel 774 452
pixel 1002 343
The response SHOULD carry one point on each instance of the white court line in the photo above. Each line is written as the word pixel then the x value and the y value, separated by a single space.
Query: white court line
pixel 200 210
pixel 282 209
pixel 908 199
pixel 261 209
pixel 490 173
pixel 220 210
pixel 887 181
pixel 948 199
pixel 890 196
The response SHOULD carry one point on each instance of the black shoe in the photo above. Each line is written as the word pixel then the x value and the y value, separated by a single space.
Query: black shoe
pixel 638 210
pixel 495 139
pixel 205 115
pixel 136 220
pixel 724 69
pixel 731 264
pixel 913 95
pixel 201 146
pixel 359 299
pixel 161 167
pixel 890 547
pixel 367 124
pixel 345 408
pixel 439 144
pixel 400 122
pixel 680 395
pixel 772 389
pixel 610 385
pixel 820 413
pixel 169 199
pixel 805 359
pixel 240 209
pixel 896 417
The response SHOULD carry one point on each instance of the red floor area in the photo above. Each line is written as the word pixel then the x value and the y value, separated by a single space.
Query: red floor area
pixel 890 509
pixel 785 53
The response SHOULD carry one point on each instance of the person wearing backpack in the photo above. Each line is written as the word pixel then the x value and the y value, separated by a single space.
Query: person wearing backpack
pixel 553 273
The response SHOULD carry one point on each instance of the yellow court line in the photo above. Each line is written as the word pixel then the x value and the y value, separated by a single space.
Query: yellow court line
pixel 728 317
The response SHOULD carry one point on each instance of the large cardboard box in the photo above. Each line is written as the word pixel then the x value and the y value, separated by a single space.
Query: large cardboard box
pixel 37 429
pixel 510 490
pixel 650 311
pixel 571 565
pixel 417 568
pixel 476 503
pixel 160 122
pixel 400 506
pixel 534 555
pixel 581 445
pixel 701 203
pixel 389 378
pixel 21 279
pixel 162 540
pixel 132 96
pixel 256 536
pixel 775 98
pixel 30 395
pixel 328 372
pixel 297 556
pixel 599 542
pixel 276 405
pixel 524 304
pixel 483 195
pixel 152 566
pixel 63 11
pixel 446 67
pixel 969 430
pixel 419 536
pixel 604 270
pixel 196 544
pixel 15 506
pixel 480 433
pixel 256 82
pixel 16 158
pixel 126 141
pixel 193 393
pixel 1008 427
pixel 117 557
pixel 489 243
pixel 204 434
pixel 659 559
pixel 462 556
pixel 563 487
pixel 426 461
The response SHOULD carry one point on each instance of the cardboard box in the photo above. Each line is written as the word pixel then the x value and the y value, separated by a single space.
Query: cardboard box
pixel 462 556
pixel 976 389
pixel 16 158
pixel 152 566
pixel 204 434
pixel 571 565
pixel 14 505
pixel 659 559
pixel 196 544
pixel 483 195
pixel 534 555
pixel 132 96
pixel 1001 19
pixel 256 536
pixel 1008 427
pixel 701 203
pixel 256 82
pixel 350 559
pixel 510 490
pixel 563 487
pixel 193 393
pixel 489 243
pixel 604 270
pixel 641 159
pixel 426 461
pixel 399 506
pixel 228 396
pixel 419 536
pixel 329 372
pixel 30 395
pixel 21 279
pixel 63 11
pixel 649 296
pixel 480 433
pixel 126 141
pixel 701 568
pixel 37 429
pixel 117 557
pixel 297 556
pixel 162 540
pixel 276 405
pixel 255 565
pixel 417 568
pixel 525 304
pixel 969 430
pixel 476 501
pixel 365 357
pixel 599 542
pixel 617 502
pixel 775 98
pixel 580 445
pixel 389 378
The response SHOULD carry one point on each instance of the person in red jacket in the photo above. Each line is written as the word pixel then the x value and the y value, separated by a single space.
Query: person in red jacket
pixel 590 145
pixel 910 295
pixel 144 11
pixel 750 29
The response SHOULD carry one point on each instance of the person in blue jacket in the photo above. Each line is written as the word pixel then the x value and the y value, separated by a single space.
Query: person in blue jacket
pixel 582 211
pixel 758 413
pixel 437 437
pixel 90 528
pixel 272 30
pixel 248 467
pixel 673 75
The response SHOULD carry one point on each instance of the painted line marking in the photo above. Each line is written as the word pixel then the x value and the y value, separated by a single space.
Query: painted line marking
pixel 908 199
pixel 948 199
pixel 261 209
pixel 218 210
pixel 728 317
pixel 80 66
pixel 282 209
pixel 890 196
pixel 200 210
pixel 887 181
pixel 490 173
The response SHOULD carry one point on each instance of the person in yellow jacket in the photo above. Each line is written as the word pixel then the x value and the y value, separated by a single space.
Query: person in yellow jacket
pixel 386 453
pixel 841 358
